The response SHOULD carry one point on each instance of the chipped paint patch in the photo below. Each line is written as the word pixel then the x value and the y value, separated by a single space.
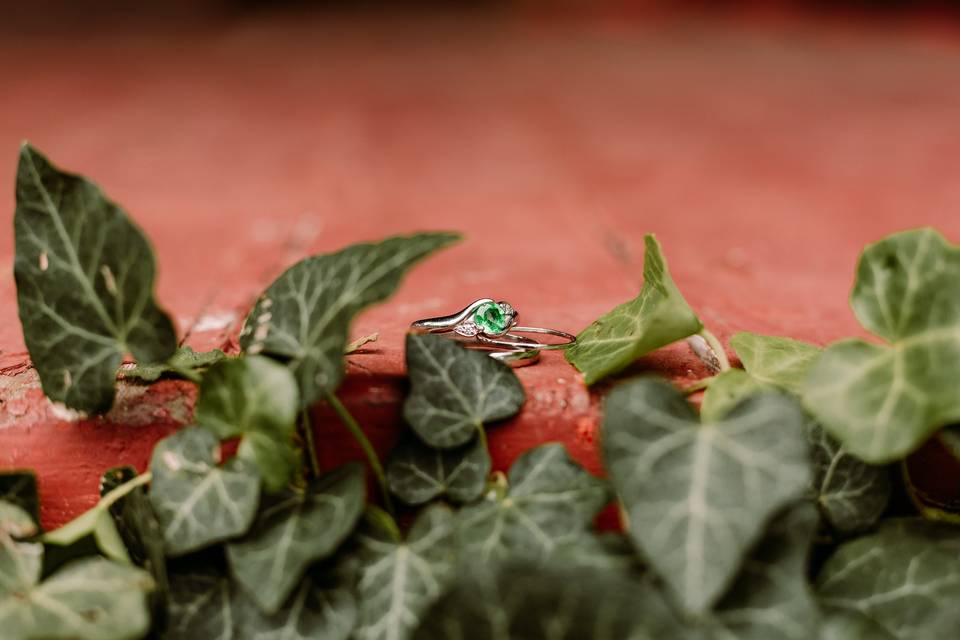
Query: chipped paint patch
pixel 214 321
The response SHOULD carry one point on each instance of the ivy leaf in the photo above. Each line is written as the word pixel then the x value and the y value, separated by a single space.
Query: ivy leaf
pixel 454 391
pixel 850 625
pixel 20 562
pixel 84 276
pixel 906 577
pixel 776 361
pixel 523 600
pixel 884 401
pixel 655 318
pixel 699 495
pixel 20 488
pixel 399 580
pixel 850 494
pixel 184 363
pixel 15 522
pixel 201 605
pixel 196 501
pixel 770 597
pixel 295 530
pixel 97 523
pixel 91 599
pixel 255 398
pixel 304 316
pixel 550 502
pixel 417 473
pixel 728 389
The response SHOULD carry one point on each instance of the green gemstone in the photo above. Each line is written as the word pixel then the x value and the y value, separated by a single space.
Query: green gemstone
pixel 491 319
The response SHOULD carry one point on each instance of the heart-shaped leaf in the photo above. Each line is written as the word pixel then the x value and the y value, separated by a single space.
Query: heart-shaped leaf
pixel 91 599
pixel 550 502
pixel 293 531
pixel 196 501
pixel 399 580
pixel 851 494
pixel 906 577
pixel 523 600
pixel 417 473
pixel 699 495
pixel 304 316
pixel 84 276
pixel 884 401
pixel 184 363
pixel 454 391
pixel 655 318
pixel 781 362
pixel 770 597
pixel 255 398
pixel 20 488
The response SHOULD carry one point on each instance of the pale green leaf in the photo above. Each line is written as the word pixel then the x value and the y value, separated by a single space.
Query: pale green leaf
pixel 15 521
pixel 294 530
pixel 19 487
pixel 197 501
pixel 844 624
pixel 20 562
pixel 884 401
pixel 728 389
pixel 417 473
pixel 91 599
pixel 255 398
pixel 655 318
pixel 781 362
pixel 400 580
pixel 699 495
pixel 550 501
pixel 454 391
pixel 184 363
pixel 84 276
pixel 304 317
pixel 905 577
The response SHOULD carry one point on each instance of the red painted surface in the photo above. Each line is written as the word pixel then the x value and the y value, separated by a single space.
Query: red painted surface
pixel 762 160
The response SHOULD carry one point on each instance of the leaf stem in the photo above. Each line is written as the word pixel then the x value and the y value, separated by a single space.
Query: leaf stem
pixel 351 424
pixel 306 426
pixel 717 348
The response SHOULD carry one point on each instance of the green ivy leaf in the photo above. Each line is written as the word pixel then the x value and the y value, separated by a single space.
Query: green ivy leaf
pixel 20 488
pixel 550 502
pixel 655 318
pixel 15 522
pixel 523 600
pixel 20 562
pixel 851 625
pixel 906 577
pixel 884 401
pixel 850 494
pixel 295 530
pixel 417 473
pixel 728 389
pixel 454 391
pixel 303 317
pixel 255 398
pixel 400 580
pixel 84 277
pixel 91 599
pixel 770 597
pixel 698 495
pixel 196 501
pixel 776 361
pixel 184 363
pixel 201 605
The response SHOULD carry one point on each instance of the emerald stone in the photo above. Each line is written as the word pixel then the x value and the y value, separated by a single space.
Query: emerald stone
pixel 491 319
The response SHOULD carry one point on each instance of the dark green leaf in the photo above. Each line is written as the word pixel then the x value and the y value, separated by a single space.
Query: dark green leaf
pixel 655 318
pixel 400 580
pixel 20 488
pixel 906 577
pixel 551 502
pixel 91 599
pixel 770 597
pixel 454 391
pixel 255 398
pixel 851 494
pixel 304 316
pixel 196 501
pixel 884 401
pixel 184 363
pixel 84 277
pixel 293 531
pixel 201 605
pixel 417 473
pixel 699 495
pixel 781 362
pixel 525 601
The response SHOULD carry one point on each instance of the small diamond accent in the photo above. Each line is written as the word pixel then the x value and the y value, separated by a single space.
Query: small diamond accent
pixel 467 328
